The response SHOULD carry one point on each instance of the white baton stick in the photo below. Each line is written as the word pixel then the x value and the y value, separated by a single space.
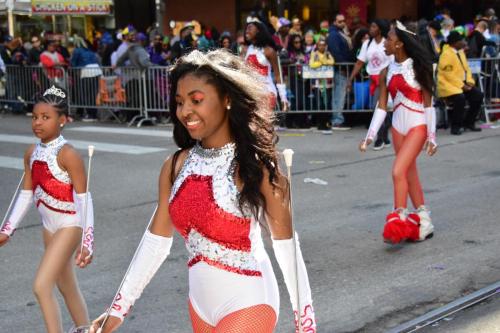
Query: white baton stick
pixel 106 314
pixel 91 153
pixel 12 201
pixel 288 155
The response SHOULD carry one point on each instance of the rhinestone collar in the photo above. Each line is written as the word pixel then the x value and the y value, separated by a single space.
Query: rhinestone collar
pixel 227 149
pixel 54 143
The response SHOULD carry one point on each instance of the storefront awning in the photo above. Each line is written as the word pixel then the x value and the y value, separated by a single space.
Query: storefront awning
pixel 22 7
pixel 82 7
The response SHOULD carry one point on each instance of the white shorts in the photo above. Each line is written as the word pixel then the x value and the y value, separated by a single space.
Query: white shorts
pixel 403 120
pixel 53 221
pixel 214 293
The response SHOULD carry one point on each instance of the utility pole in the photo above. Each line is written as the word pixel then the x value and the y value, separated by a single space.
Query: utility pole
pixel 159 18
pixel 10 16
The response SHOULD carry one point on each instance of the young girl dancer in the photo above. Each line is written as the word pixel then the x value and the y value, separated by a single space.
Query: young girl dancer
pixel 216 192
pixel 261 55
pixel 55 181
pixel 409 81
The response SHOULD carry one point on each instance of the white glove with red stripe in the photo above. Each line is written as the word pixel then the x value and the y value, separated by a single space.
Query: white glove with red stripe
pixel 21 207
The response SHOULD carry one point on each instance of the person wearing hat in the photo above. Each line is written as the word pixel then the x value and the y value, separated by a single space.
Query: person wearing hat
pixel 281 36
pixel 373 54
pixel 456 85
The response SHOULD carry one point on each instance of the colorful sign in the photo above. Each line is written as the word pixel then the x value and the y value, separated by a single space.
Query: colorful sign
pixel 55 7
pixel 354 8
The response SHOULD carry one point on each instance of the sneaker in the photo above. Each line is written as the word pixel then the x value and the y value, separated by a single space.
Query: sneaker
pixel 396 228
pixel 340 127
pixel 87 119
pixel 327 132
pixel 379 145
pixel 413 224
pixel 387 144
pixel 426 228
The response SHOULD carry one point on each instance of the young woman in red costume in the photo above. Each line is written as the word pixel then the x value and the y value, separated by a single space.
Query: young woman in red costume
pixel 55 181
pixel 217 191
pixel 409 81
pixel 261 54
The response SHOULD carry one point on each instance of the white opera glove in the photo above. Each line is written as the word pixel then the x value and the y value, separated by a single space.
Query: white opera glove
pixel 282 92
pixel 285 255
pixel 377 121
pixel 88 238
pixel 151 254
pixel 21 207
pixel 430 120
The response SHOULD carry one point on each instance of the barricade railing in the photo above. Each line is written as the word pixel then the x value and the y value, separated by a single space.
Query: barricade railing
pixel 137 95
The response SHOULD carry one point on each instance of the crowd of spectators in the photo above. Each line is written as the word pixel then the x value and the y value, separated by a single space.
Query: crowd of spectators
pixel 297 45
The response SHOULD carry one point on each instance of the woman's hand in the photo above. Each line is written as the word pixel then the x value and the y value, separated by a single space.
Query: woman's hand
pixel 364 144
pixel 82 259
pixel 112 324
pixel 430 147
pixel 4 239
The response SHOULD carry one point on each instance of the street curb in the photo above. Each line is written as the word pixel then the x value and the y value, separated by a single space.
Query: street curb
pixel 448 309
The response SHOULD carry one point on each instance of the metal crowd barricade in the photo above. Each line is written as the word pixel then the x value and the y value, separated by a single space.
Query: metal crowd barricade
pixel 119 91
pixel 157 88
pixel 21 84
pixel 487 75
pixel 313 90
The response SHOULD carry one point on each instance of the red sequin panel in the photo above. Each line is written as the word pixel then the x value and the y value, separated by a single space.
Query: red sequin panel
pixel 194 206
pixel 398 83
pixel 262 69
pixel 41 176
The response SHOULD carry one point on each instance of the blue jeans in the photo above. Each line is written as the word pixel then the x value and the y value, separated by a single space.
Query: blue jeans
pixel 338 97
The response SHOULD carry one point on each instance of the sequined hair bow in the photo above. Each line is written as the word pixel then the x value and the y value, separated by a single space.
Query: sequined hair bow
pixel 55 91
pixel 401 26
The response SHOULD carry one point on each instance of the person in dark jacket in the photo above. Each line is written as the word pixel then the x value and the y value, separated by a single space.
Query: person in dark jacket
pixel 87 72
pixel 339 44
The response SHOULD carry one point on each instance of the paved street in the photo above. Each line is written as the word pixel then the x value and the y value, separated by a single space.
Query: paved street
pixel 359 283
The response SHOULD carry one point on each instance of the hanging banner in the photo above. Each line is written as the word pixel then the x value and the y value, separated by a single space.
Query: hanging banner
pixel 55 7
pixel 353 8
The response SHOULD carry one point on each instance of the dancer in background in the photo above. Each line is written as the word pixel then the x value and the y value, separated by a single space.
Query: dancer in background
pixel 55 181
pixel 261 54
pixel 217 191
pixel 409 81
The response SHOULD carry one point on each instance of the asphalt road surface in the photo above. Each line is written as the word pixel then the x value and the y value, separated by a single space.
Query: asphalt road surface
pixel 359 283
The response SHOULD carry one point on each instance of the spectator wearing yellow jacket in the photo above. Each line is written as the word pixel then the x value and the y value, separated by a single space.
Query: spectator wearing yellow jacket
pixel 456 85
pixel 322 57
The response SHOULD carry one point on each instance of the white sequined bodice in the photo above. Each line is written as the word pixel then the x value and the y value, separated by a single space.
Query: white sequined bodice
pixel 47 152
pixel 404 68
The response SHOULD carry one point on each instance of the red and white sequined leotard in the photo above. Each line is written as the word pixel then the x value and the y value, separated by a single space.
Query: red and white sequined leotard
pixel 229 269
pixel 52 188
pixel 407 96
pixel 255 56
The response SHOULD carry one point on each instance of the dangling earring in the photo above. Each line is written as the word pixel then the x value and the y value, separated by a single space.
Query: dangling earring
pixel 228 107
pixel 61 125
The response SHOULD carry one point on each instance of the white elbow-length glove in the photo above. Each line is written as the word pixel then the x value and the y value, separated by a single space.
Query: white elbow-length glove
pixel 21 207
pixel 88 238
pixel 152 252
pixel 282 92
pixel 285 255
pixel 430 120
pixel 377 121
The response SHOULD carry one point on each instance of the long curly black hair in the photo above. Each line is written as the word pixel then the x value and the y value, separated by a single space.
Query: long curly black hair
pixel 263 37
pixel 422 60
pixel 251 119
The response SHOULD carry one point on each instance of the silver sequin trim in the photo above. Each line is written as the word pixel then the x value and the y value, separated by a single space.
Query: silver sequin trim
pixel 47 152
pixel 197 245
pixel 400 98
pixel 40 194
pixel 406 69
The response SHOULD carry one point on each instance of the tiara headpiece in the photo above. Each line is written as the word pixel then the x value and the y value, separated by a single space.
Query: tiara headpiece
pixel 55 91
pixel 402 27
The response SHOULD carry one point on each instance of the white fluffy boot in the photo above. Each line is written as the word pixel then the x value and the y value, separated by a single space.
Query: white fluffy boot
pixel 426 227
